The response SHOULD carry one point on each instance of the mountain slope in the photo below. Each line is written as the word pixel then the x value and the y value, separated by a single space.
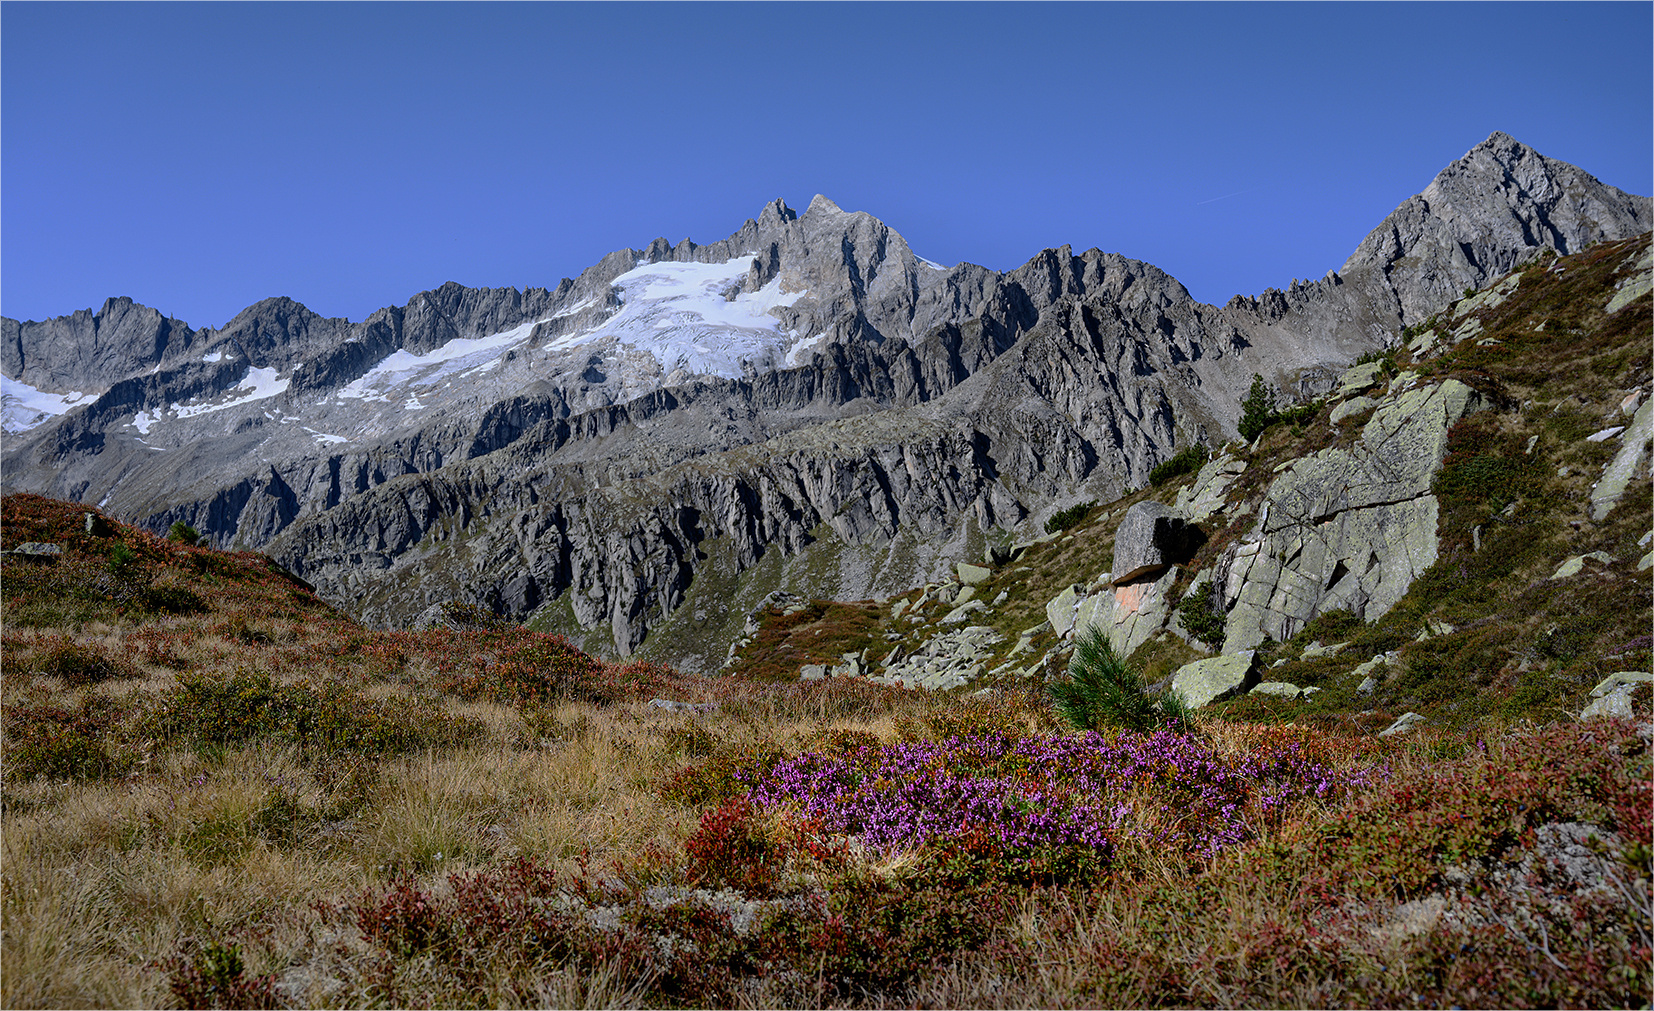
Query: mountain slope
pixel 808 384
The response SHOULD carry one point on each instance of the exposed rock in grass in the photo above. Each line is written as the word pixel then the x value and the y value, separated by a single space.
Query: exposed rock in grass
pixel 1212 680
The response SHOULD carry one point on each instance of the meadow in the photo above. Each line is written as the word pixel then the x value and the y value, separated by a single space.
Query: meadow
pixel 221 792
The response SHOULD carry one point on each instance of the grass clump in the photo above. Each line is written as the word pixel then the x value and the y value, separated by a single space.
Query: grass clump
pixel 213 710
pixel 1102 690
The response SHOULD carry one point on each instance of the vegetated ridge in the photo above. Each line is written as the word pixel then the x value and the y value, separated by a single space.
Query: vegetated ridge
pixel 654 447
pixel 220 791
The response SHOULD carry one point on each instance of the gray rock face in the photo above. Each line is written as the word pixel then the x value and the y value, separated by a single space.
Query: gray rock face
pixel 867 414
pixel 1405 723
pixel 1632 458
pixel 1485 214
pixel 1150 538
pixel 1212 680
pixel 1345 528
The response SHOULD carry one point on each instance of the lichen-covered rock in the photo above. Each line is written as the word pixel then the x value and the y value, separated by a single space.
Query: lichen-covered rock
pixel 458 616
pixel 1129 614
pixel 1216 678
pixel 1345 528
pixel 1618 678
pixel 1280 689
pixel 1406 723
pixel 1574 565
pixel 1060 611
pixel 1360 378
pixel 972 575
pixel 1632 458
pixel 1205 495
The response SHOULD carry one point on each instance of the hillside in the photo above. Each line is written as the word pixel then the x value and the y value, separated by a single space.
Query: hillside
pixel 1461 529
pixel 649 449
pixel 256 801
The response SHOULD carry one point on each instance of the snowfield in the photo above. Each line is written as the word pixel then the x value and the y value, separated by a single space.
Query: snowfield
pixel 23 407
pixel 694 317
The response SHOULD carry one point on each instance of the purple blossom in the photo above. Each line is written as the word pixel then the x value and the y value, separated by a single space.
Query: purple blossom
pixel 1035 794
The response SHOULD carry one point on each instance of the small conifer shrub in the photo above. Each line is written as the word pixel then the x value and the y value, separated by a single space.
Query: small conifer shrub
pixel 1103 690
pixel 1187 461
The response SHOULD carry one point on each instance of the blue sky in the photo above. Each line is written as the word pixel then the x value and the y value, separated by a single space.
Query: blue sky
pixel 200 157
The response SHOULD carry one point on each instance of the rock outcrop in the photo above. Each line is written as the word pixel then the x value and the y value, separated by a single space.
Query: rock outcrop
pixel 1345 528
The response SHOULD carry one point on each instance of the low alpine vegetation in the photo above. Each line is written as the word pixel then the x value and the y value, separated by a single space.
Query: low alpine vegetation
pixel 258 803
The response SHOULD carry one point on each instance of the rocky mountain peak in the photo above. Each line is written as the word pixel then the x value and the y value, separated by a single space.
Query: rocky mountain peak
pixel 820 205
pixel 1484 214
pixel 775 214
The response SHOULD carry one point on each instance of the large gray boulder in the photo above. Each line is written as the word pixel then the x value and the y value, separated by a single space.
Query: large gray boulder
pixel 1632 457
pixel 1150 537
pixel 1130 614
pixel 1216 678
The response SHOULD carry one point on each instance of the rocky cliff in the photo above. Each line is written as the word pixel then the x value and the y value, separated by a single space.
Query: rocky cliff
pixel 804 401
pixel 1460 525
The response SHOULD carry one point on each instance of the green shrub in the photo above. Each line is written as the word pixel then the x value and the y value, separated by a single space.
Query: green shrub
pixel 728 772
pixel 1187 461
pixel 215 977
pixel 63 742
pixel 79 664
pixel 121 559
pixel 1385 358
pixel 1330 626
pixel 183 533
pixel 172 600
pixel 1259 411
pixel 1102 690
pixel 1069 517
pixel 219 710
pixel 1202 615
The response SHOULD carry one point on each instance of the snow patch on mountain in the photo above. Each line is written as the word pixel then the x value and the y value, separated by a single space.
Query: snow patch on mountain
pixel 694 317
pixel 404 368
pixel 23 407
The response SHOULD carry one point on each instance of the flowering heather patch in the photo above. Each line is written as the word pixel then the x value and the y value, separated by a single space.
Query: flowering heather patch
pixel 1032 794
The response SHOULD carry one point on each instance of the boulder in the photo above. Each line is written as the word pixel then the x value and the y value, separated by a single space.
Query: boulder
pixel 458 616
pixel 1150 538
pixel 1283 689
pixel 1060 611
pixel 972 575
pixel 37 551
pixel 670 706
pixel 1630 289
pixel 1632 456
pixel 1404 724
pixel 1624 677
pixel 1217 678
pixel 1131 614
pixel 1205 495
pixel 1615 704
pixel 1346 527
pixel 812 672
pixel 1360 377
pixel 1352 407
pixel 1573 566
pixel 1316 649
